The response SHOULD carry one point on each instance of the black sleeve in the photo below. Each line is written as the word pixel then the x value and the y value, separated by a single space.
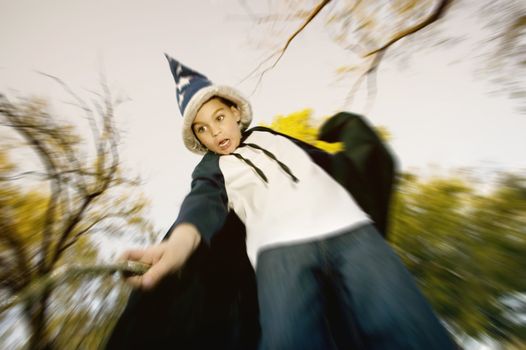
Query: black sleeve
pixel 206 206
pixel 365 167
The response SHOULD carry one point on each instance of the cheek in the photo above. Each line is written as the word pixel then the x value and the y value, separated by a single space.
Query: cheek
pixel 203 140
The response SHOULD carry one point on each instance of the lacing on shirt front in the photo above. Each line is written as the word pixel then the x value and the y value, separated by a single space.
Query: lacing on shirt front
pixel 269 154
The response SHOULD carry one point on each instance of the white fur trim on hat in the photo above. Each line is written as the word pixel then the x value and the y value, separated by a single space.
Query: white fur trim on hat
pixel 197 100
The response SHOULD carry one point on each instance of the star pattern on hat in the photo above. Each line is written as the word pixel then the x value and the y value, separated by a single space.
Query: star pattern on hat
pixel 183 81
pixel 180 99
pixel 192 89
pixel 187 82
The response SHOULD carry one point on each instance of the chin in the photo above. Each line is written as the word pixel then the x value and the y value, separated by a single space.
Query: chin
pixel 221 151
pixel 227 151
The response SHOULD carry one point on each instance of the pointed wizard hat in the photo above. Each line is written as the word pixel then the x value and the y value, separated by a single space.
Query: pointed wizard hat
pixel 192 90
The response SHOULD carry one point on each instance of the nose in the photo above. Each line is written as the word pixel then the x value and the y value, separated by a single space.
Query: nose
pixel 215 131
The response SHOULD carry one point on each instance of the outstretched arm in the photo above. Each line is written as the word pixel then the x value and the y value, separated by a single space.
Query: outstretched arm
pixel 165 257
pixel 202 214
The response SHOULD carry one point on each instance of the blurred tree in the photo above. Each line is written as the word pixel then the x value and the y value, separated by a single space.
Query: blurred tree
pixel 300 126
pixel 504 51
pixel 368 29
pixel 466 249
pixel 47 227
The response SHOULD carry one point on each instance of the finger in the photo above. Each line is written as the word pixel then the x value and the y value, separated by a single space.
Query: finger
pixel 132 254
pixel 135 281
pixel 154 275
pixel 129 268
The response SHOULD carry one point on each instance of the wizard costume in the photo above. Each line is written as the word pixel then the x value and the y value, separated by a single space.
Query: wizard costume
pixel 307 222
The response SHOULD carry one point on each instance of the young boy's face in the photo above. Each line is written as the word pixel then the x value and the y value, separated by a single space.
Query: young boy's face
pixel 216 125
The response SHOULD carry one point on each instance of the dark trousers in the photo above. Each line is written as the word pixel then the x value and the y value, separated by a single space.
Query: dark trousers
pixel 348 291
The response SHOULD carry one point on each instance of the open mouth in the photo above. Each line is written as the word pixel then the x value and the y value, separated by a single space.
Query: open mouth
pixel 224 143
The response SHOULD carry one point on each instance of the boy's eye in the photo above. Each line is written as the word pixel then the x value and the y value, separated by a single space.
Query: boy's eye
pixel 220 117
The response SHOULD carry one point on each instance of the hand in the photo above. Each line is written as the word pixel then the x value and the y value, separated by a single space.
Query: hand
pixel 164 258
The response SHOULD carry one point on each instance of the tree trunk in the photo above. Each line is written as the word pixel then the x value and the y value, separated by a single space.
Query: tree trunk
pixel 36 312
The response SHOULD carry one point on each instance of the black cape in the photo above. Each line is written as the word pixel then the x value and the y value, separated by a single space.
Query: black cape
pixel 212 302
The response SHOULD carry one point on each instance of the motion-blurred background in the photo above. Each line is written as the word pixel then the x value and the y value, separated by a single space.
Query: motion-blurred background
pixel 91 159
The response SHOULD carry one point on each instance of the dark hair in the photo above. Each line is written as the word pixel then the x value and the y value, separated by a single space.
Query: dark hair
pixel 223 100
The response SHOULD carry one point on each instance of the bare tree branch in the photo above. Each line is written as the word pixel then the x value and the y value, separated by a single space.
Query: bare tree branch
pixel 23 175
pixel 10 235
pixel 124 215
pixel 105 177
pixel 437 13
pixel 371 69
pixel 75 186
pixel 15 116
pixel 34 290
pixel 315 11
pixel 376 54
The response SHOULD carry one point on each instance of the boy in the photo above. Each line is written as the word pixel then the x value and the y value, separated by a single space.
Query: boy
pixel 309 241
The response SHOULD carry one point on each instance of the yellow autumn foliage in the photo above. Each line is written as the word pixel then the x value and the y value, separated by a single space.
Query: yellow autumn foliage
pixel 299 125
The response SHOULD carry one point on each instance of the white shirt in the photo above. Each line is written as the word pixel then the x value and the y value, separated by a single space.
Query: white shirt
pixel 281 211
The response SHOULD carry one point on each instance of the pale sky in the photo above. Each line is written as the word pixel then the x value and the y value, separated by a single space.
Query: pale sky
pixel 437 108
